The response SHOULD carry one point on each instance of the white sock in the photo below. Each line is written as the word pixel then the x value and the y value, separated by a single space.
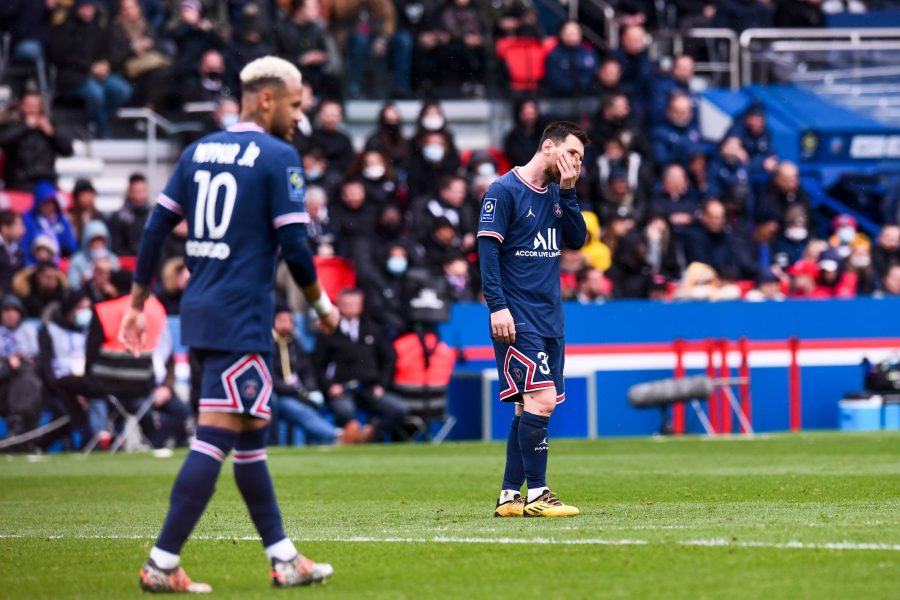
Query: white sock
pixel 534 493
pixel 163 559
pixel 507 495
pixel 283 550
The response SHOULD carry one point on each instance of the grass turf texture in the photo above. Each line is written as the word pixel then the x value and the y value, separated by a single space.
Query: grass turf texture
pixel 80 527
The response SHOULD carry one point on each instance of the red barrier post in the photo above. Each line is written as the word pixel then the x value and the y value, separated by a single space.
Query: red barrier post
pixel 794 384
pixel 744 347
pixel 724 406
pixel 712 409
pixel 678 409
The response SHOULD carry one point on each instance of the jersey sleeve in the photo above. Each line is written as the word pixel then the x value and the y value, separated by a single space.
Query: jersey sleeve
pixel 287 191
pixel 173 197
pixel 496 213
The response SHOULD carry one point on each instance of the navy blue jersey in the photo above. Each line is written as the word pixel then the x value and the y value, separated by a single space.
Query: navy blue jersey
pixel 235 188
pixel 528 223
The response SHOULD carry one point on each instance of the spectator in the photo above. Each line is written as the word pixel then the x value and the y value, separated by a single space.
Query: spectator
pixel 768 287
pixel 170 286
pixel 441 244
pixel 194 35
pixel 296 398
pixel 302 138
pixel 316 168
pixel 335 144
pixel 127 223
pixel 674 200
pixel 522 57
pixel 698 171
pixel 304 40
pixel 463 47
pixel 388 231
pixel 885 253
pixel 43 249
pixel 890 282
pixel 95 245
pixel 593 287
pixel 78 49
pixel 135 52
pixel 456 271
pixel 571 65
pixel 767 224
pixel 31 144
pixel 353 220
pixel 673 140
pixel 619 221
pixel 388 138
pixel 12 258
pixel 321 235
pixel 755 138
pixel 790 244
pixel 609 77
pixel 678 80
pixel 83 208
pixel 596 252
pixel 362 30
pixel 46 218
pixel 739 15
pixel 433 157
pixel 829 278
pixel 662 252
pixel 701 282
pixel 799 13
pixel 29 24
pixel 384 287
pixel 21 389
pixel 100 286
pixel 432 119
pixel 571 263
pixel 211 82
pixel 378 177
pixel 630 274
pixel 638 70
pixel 729 178
pixel 709 242
pixel 356 364
pixel 860 264
pixel 614 121
pixel 525 135
pixel 249 40
pixel 38 287
pixel 845 233
pixel 694 13
pixel 410 14
pixel 449 203
pixel 620 177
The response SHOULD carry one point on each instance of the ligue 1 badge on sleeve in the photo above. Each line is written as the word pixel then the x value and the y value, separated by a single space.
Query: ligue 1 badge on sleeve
pixel 296 184
pixel 488 209
pixel 557 211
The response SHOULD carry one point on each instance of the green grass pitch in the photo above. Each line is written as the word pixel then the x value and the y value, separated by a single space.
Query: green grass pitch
pixel 789 516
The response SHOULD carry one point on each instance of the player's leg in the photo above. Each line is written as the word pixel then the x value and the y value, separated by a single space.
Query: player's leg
pixel 534 440
pixel 252 380
pixel 510 503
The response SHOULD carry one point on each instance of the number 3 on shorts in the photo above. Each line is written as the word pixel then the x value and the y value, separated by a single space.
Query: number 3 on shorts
pixel 544 368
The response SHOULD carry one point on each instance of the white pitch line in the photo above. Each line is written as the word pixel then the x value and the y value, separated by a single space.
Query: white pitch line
pixel 714 542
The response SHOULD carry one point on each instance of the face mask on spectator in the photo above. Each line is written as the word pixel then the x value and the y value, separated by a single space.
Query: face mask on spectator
pixel 860 262
pixel 229 120
pixel 397 265
pixel 314 174
pixel 83 318
pixel 796 233
pixel 433 122
pixel 373 172
pixel 433 153
pixel 486 169
pixel 846 234
pixel 97 253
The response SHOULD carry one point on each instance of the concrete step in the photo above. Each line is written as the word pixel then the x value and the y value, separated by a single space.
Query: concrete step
pixel 79 166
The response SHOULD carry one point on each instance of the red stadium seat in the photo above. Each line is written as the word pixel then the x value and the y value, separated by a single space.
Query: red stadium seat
pixel 16 201
pixel 335 274
pixel 128 263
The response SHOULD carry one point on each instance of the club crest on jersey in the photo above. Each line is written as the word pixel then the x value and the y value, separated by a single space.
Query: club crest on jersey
pixel 250 389
pixel 296 184
pixel 488 208
pixel 517 374
pixel 557 210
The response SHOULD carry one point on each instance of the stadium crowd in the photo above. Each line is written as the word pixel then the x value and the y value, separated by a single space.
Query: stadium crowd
pixel 670 215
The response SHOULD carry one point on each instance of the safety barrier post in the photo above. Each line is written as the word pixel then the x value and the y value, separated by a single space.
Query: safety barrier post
pixel 711 373
pixel 794 384
pixel 744 374
pixel 678 407
pixel 724 374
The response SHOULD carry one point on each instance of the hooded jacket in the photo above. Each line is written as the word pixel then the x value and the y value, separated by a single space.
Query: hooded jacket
pixel 58 229
pixel 597 252
pixel 82 264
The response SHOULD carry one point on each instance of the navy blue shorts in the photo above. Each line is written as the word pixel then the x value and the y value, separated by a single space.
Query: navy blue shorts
pixel 236 383
pixel 532 363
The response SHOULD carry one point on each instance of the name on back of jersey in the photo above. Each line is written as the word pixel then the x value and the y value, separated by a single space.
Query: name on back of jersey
pixel 217 153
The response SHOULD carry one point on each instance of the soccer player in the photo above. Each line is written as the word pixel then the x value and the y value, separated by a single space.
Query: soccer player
pixel 242 193
pixel 525 215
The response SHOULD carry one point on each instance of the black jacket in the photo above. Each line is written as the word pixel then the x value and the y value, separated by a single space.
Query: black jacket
pixel 74 47
pixel 370 360
pixel 126 227
pixel 336 147
pixel 31 154
pixel 10 264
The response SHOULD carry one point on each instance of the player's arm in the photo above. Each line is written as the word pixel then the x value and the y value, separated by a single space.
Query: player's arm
pixel 492 228
pixel 574 229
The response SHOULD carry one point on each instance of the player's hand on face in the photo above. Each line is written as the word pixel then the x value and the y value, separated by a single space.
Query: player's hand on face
pixel 329 322
pixel 133 331
pixel 503 328
pixel 568 172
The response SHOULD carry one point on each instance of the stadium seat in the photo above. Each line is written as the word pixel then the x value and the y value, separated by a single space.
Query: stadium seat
pixel 16 201
pixel 335 274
